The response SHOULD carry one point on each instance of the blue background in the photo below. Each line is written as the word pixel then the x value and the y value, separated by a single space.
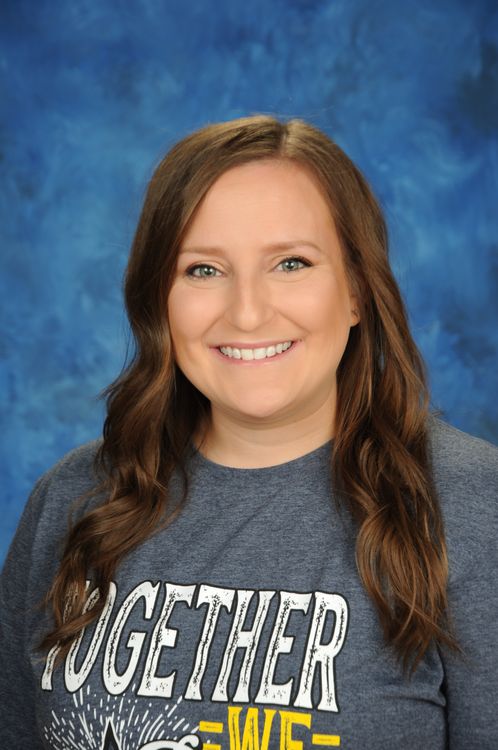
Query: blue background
pixel 94 93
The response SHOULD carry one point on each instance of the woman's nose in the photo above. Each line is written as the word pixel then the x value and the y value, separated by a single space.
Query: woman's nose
pixel 249 305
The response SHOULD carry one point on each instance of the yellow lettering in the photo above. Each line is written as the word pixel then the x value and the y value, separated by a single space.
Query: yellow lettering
pixel 287 721
pixel 250 735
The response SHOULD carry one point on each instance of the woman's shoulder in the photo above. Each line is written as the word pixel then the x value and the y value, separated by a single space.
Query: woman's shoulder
pixel 466 477
pixel 456 455
pixel 70 478
pixel 77 467
pixel 57 497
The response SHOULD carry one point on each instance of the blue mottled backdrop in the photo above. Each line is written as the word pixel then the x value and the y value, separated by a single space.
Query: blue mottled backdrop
pixel 92 95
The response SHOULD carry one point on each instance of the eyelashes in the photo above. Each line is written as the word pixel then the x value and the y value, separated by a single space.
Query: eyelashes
pixel 203 266
pixel 295 258
pixel 206 266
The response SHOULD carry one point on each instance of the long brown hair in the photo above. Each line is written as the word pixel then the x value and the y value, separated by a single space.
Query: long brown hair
pixel 380 458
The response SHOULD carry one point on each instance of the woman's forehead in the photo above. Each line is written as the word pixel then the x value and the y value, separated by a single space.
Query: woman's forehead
pixel 276 199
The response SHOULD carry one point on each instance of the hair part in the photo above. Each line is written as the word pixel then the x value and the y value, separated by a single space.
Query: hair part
pixel 380 461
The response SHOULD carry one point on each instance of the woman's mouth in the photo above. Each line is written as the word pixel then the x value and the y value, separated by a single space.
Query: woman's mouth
pixel 257 354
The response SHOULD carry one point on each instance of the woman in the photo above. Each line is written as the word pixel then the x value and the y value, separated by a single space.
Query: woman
pixel 277 546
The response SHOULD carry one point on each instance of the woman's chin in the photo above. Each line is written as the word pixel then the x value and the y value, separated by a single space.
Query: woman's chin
pixel 258 411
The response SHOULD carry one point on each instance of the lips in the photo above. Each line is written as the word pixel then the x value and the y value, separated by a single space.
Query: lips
pixel 253 345
pixel 257 353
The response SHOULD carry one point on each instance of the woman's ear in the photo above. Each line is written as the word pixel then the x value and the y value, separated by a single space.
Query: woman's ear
pixel 355 314
pixel 356 293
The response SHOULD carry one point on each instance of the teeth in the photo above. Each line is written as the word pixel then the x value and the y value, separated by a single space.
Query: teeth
pixel 261 353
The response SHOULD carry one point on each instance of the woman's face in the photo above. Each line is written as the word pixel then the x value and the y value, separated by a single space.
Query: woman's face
pixel 259 267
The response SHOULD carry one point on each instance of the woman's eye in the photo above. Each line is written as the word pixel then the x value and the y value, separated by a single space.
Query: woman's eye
pixel 205 271
pixel 294 264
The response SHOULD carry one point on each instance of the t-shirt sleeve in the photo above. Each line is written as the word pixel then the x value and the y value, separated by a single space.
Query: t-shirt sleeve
pixel 470 484
pixel 28 571
pixel 17 689
pixel 471 680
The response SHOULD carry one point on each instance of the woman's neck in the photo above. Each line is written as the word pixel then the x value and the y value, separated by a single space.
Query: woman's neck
pixel 249 448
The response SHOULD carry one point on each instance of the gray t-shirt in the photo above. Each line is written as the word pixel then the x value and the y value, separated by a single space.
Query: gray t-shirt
pixel 244 624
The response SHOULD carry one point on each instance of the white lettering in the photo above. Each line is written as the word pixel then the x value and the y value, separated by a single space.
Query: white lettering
pixel 114 682
pixel 215 598
pixel 246 639
pixel 323 653
pixel 270 692
pixel 162 637
pixel 75 678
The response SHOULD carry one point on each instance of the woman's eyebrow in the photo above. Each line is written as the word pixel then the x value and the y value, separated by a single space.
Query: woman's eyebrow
pixel 287 245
